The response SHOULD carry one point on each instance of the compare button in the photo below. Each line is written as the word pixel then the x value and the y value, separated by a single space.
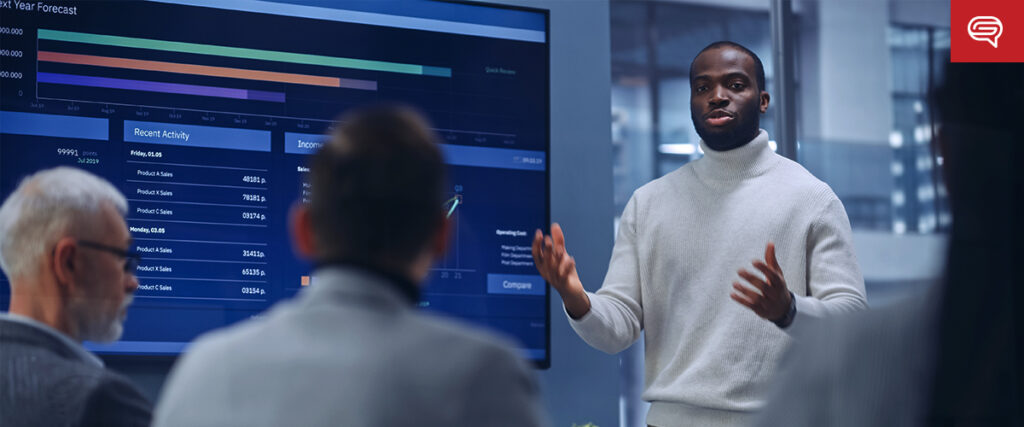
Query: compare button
pixel 515 284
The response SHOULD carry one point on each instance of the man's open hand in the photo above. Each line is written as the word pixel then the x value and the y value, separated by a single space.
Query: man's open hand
pixel 558 268
pixel 767 296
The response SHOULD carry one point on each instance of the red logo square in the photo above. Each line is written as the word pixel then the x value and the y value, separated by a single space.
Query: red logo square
pixel 987 31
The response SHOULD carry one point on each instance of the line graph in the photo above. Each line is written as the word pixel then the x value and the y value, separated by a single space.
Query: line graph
pixel 452 213
pixel 452 203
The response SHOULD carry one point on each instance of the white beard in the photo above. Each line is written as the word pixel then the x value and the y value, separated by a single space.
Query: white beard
pixel 95 325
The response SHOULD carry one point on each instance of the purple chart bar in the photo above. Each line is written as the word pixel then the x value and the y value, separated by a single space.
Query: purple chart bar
pixel 259 95
pixel 107 82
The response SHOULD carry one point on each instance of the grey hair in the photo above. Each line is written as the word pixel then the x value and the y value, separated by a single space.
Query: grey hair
pixel 47 206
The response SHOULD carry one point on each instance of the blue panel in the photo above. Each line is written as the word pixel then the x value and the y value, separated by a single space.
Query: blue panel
pixel 303 143
pixel 534 353
pixel 53 125
pixel 437 10
pixel 436 16
pixel 461 155
pixel 515 284
pixel 196 136
pixel 458 155
pixel 138 347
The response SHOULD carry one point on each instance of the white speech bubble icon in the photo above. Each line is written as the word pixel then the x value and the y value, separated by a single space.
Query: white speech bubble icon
pixel 985 29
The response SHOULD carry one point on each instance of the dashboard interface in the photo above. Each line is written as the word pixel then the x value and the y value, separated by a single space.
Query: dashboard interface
pixel 204 114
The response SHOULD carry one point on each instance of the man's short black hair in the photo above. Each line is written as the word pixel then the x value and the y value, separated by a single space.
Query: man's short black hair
pixel 377 189
pixel 761 86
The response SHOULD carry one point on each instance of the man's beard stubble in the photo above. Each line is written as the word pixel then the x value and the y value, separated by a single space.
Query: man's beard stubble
pixel 742 132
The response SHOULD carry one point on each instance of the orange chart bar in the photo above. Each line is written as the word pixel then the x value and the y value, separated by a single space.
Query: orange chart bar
pixel 205 70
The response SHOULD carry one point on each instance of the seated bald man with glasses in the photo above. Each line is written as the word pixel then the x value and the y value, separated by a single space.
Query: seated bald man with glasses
pixel 64 248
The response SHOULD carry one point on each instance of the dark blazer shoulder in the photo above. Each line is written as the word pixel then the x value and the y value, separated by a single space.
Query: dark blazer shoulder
pixel 48 383
pixel 115 401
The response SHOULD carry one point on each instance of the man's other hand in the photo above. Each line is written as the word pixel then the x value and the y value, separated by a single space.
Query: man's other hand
pixel 767 296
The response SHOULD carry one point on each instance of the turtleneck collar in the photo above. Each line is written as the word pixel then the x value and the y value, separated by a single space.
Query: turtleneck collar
pixel 750 160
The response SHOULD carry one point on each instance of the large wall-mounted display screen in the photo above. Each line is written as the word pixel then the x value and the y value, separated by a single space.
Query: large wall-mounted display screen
pixel 205 114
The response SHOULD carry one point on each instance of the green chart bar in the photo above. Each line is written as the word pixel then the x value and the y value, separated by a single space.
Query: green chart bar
pixel 240 52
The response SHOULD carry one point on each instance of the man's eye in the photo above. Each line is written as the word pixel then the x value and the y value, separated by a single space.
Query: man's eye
pixel 701 89
pixel 738 86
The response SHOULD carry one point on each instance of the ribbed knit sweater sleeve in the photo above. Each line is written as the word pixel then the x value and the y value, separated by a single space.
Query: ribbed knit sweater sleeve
pixel 834 281
pixel 615 319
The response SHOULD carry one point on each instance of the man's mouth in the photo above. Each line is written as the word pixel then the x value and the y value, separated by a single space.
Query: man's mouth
pixel 719 118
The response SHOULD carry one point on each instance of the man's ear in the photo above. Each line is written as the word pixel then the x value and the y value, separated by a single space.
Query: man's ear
pixel 301 222
pixel 63 262
pixel 439 244
pixel 765 100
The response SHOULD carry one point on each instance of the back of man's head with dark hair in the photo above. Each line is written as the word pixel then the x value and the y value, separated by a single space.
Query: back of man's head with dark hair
pixel 988 95
pixel 977 376
pixel 377 188
pixel 761 86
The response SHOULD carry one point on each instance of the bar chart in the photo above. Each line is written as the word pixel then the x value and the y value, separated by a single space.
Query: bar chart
pixel 77 66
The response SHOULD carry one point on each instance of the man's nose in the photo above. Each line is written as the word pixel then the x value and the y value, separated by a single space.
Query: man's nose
pixel 718 98
pixel 133 283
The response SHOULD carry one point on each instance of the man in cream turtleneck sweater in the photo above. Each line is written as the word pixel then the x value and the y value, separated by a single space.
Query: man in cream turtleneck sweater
pixel 682 273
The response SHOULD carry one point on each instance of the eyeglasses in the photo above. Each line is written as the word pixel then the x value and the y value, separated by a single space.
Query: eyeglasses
pixel 131 259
